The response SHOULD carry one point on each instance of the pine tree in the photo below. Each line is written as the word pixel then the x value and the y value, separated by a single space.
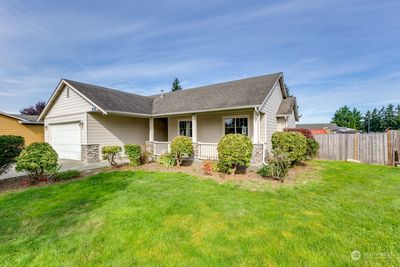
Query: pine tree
pixel 375 122
pixel 389 117
pixel 398 117
pixel 176 86
pixel 367 121
pixel 344 117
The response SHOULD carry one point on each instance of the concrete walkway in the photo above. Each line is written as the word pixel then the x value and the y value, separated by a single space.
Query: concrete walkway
pixel 65 165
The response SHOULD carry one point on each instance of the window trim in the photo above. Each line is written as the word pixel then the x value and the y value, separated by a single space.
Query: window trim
pixel 177 126
pixel 237 117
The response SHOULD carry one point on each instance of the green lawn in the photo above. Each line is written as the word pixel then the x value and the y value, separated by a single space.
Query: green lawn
pixel 143 218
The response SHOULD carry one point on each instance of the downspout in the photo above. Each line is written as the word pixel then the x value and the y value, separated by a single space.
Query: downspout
pixel 263 144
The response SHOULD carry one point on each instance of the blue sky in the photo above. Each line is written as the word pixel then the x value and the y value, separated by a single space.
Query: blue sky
pixel 332 53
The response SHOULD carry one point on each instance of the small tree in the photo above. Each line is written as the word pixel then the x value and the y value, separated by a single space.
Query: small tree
pixel 37 159
pixel 34 110
pixel 345 117
pixel 234 150
pixel 10 148
pixel 181 146
pixel 110 153
pixel 176 85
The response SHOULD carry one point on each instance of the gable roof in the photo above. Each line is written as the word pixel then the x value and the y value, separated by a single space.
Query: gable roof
pixel 287 106
pixel 24 119
pixel 244 93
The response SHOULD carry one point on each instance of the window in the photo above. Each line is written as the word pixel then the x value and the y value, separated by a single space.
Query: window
pixel 236 126
pixel 185 128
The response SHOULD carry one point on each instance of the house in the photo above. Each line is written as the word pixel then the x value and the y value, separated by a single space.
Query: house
pixel 81 118
pixel 26 126
pixel 326 128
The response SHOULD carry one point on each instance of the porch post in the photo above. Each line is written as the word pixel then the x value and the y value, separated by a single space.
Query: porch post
pixel 194 128
pixel 151 129
pixel 194 137
pixel 256 127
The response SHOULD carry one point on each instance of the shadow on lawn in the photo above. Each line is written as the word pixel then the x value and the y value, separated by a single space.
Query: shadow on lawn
pixel 40 213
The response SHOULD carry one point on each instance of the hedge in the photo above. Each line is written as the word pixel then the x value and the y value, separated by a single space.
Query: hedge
pixel 10 148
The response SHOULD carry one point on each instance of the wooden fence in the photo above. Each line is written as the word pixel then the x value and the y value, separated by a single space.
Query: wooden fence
pixel 373 148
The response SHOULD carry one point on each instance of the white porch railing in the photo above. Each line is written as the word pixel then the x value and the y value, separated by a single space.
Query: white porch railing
pixel 207 151
pixel 161 147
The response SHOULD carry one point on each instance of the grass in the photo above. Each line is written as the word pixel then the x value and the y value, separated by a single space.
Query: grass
pixel 153 218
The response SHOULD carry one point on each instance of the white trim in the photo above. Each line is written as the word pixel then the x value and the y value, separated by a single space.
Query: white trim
pixel 151 130
pixel 56 93
pixel 123 113
pixel 194 128
pixel 238 117
pixel 84 97
pixel 270 92
pixel 203 111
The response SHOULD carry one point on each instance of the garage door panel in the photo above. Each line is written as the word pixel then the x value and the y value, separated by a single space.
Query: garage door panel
pixel 66 140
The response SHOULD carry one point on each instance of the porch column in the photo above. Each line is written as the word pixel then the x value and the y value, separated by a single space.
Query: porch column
pixel 256 127
pixel 151 129
pixel 194 128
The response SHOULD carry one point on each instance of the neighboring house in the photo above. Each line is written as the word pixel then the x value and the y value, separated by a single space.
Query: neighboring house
pixel 22 125
pixel 326 128
pixel 81 118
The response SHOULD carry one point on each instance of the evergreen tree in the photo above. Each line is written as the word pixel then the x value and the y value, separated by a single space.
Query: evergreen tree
pixel 398 117
pixel 389 117
pixel 176 86
pixel 367 121
pixel 344 117
pixel 375 122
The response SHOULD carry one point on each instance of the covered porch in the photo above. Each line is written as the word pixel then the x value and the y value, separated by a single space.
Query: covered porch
pixel 206 130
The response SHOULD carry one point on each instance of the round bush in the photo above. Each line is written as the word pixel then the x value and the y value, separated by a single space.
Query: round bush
pixel 37 159
pixel 134 152
pixel 234 150
pixel 292 143
pixel 181 146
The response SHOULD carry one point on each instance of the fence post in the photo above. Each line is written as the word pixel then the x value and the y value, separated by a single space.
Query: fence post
pixel 389 148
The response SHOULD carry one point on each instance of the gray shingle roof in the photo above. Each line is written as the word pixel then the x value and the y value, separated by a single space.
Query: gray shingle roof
pixel 24 119
pixel 317 126
pixel 286 106
pixel 113 100
pixel 240 93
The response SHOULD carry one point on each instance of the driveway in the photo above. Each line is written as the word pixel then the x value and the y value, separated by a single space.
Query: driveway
pixel 65 165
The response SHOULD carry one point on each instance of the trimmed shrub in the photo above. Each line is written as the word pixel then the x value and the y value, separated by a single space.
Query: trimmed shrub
pixel 66 175
pixel 312 144
pixel 234 150
pixel 37 160
pixel 134 153
pixel 306 132
pixel 110 153
pixel 292 143
pixel 278 166
pixel 312 148
pixel 10 148
pixel 167 160
pixel 181 146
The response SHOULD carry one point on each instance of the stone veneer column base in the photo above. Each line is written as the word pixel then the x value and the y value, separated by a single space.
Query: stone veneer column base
pixel 90 153
pixel 257 156
pixel 150 149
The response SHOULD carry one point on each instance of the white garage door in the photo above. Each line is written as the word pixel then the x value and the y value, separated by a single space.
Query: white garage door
pixel 66 140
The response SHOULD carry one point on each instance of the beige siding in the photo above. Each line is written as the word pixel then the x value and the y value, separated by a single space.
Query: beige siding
pixel 270 109
pixel 263 127
pixel 79 117
pixel 281 124
pixel 116 130
pixel 209 126
pixel 291 121
pixel 68 102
